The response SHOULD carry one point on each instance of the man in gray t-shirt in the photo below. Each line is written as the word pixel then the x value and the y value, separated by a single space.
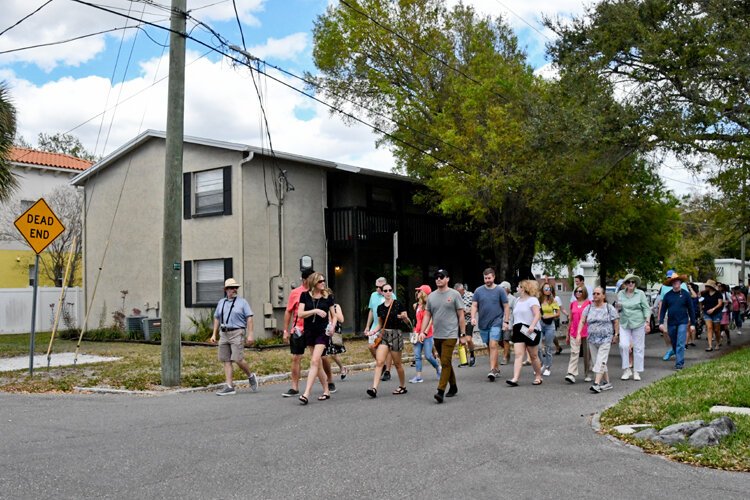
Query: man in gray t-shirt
pixel 446 308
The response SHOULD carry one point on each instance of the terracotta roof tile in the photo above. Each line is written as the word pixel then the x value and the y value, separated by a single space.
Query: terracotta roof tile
pixel 59 160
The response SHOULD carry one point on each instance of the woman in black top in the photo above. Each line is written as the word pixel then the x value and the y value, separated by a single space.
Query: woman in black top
pixel 316 308
pixel 712 306
pixel 391 314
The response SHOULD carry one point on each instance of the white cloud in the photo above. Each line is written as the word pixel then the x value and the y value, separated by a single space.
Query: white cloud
pixel 224 11
pixel 281 48
pixel 220 103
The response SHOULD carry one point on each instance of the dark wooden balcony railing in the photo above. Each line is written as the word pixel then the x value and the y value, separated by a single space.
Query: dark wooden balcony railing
pixel 344 226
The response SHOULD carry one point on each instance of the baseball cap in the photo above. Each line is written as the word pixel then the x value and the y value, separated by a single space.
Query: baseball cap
pixel 442 273
pixel 424 288
pixel 505 285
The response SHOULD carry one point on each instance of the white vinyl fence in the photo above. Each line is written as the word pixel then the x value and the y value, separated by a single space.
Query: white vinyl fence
pixel 15 309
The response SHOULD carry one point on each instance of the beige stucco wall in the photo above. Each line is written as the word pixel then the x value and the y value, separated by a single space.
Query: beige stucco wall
pixel 304 229
pixel 133 256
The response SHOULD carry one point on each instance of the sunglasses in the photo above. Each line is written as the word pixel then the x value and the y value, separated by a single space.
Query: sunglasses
pixel 386 290
pixel 439 277
pixel 578 291
pixel 630 282
pixel 321 281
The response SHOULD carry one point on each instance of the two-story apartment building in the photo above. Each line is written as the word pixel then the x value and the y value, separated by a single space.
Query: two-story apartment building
pixel 253 215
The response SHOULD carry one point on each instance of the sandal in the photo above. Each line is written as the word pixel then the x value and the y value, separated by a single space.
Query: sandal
pixel 400 390
pixel 324 397
pixel 709 349
pixel 344 373
pixel 303 400
pixel 372 392
pixel 537 382
pixel 511 383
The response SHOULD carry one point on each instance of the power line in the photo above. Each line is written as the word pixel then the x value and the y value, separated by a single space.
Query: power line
pixel 524 20
pixel 59 42
pixel 25 17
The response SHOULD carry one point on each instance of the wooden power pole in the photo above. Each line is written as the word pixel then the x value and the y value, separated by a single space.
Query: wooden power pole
pixel 172 235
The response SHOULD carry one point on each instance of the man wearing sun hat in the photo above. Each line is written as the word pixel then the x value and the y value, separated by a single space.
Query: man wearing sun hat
pixel 679 305
pixel 662 291
pixel 233 317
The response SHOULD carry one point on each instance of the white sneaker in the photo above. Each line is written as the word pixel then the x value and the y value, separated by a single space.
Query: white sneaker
pixel 606 386
pixel 636 376
pixel 627 374
pixel 587 379
pixel 546 372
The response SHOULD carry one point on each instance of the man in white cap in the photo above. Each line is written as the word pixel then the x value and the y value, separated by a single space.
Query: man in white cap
pixel 233 317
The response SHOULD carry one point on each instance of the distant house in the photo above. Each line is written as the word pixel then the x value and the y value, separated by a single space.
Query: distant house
pixel 252 215
pixel 38 173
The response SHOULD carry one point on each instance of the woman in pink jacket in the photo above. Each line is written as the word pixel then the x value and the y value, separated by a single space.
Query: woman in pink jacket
pixel 578 344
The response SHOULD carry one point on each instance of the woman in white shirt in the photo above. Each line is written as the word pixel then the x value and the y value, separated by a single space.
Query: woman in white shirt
pixel 526 331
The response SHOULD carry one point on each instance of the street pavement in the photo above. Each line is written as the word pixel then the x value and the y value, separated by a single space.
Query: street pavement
pixel 490 441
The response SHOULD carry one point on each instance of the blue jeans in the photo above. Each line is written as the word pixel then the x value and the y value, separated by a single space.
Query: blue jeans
pixel 678 336
pixel 548 343
pixel 737 315
pixel 425 347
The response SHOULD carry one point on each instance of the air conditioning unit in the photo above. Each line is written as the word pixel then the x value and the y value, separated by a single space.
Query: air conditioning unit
pixel 151 326
pixel 134 326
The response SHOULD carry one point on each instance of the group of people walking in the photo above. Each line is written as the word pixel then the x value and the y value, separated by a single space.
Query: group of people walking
pixel 445 317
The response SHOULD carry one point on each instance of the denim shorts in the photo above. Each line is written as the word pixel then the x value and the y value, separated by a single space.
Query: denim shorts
pixel 715 317
pixel 492 333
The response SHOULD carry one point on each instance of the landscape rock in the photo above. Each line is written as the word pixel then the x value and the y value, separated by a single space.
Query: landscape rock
pixel 707 436
pixel 723 425
pixel 686 428
pixel 649 433
pixel 670 439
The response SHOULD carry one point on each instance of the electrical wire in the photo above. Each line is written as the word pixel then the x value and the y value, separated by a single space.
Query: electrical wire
pixel 25 17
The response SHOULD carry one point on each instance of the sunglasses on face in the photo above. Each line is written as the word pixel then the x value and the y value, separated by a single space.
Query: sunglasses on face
pixel 629 282
pixel 321 281
pixel 578 291
pixel 439 277
pixel 546 289
pixel 386 290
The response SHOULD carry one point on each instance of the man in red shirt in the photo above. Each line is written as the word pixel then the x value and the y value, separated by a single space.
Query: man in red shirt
pixel 295 337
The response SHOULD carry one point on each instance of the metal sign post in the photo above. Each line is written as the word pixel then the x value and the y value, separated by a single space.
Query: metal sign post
pixel 39 226
pixel 395 258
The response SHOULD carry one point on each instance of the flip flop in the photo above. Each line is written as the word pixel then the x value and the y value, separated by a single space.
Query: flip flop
pixel 303 400
pixel 511 383
pixel 537 382
pixel 324 397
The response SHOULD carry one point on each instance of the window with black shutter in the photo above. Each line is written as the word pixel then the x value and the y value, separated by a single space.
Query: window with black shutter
pixel 207 193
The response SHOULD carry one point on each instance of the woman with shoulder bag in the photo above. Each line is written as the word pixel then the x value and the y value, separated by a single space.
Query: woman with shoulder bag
pixel 634 325
pixel 391 314
pixel 426 345
pixel 526 334
pixel 602 321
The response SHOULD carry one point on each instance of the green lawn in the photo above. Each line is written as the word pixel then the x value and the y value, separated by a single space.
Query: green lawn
pixel 688 395
pixel 140 367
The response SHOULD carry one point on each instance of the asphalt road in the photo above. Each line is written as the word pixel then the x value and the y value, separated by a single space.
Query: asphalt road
pixel 489 441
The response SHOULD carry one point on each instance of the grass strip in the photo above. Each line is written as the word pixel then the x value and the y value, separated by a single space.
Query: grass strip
pixel 140 368
pixel 688 395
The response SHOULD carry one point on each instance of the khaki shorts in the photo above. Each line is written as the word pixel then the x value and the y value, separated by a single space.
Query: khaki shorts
pixel 232 345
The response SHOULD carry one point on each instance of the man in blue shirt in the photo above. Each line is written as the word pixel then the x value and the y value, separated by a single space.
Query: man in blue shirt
pixel 679 305
pixel 232 318
pixel 488 308
pixel 662 291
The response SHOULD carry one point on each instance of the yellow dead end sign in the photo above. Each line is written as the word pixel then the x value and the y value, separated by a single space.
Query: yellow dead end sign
pixel 39 226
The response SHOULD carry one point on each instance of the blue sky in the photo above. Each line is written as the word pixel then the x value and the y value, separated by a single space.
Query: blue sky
pixel 70 87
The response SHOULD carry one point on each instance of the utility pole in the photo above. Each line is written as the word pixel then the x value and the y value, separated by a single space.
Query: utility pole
pixel 172 233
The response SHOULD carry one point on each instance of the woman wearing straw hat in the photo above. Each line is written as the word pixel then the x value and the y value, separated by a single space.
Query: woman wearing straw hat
pixel 634 325
pixel 712 309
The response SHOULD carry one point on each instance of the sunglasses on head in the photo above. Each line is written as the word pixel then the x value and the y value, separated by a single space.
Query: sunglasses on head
pixel 386 290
